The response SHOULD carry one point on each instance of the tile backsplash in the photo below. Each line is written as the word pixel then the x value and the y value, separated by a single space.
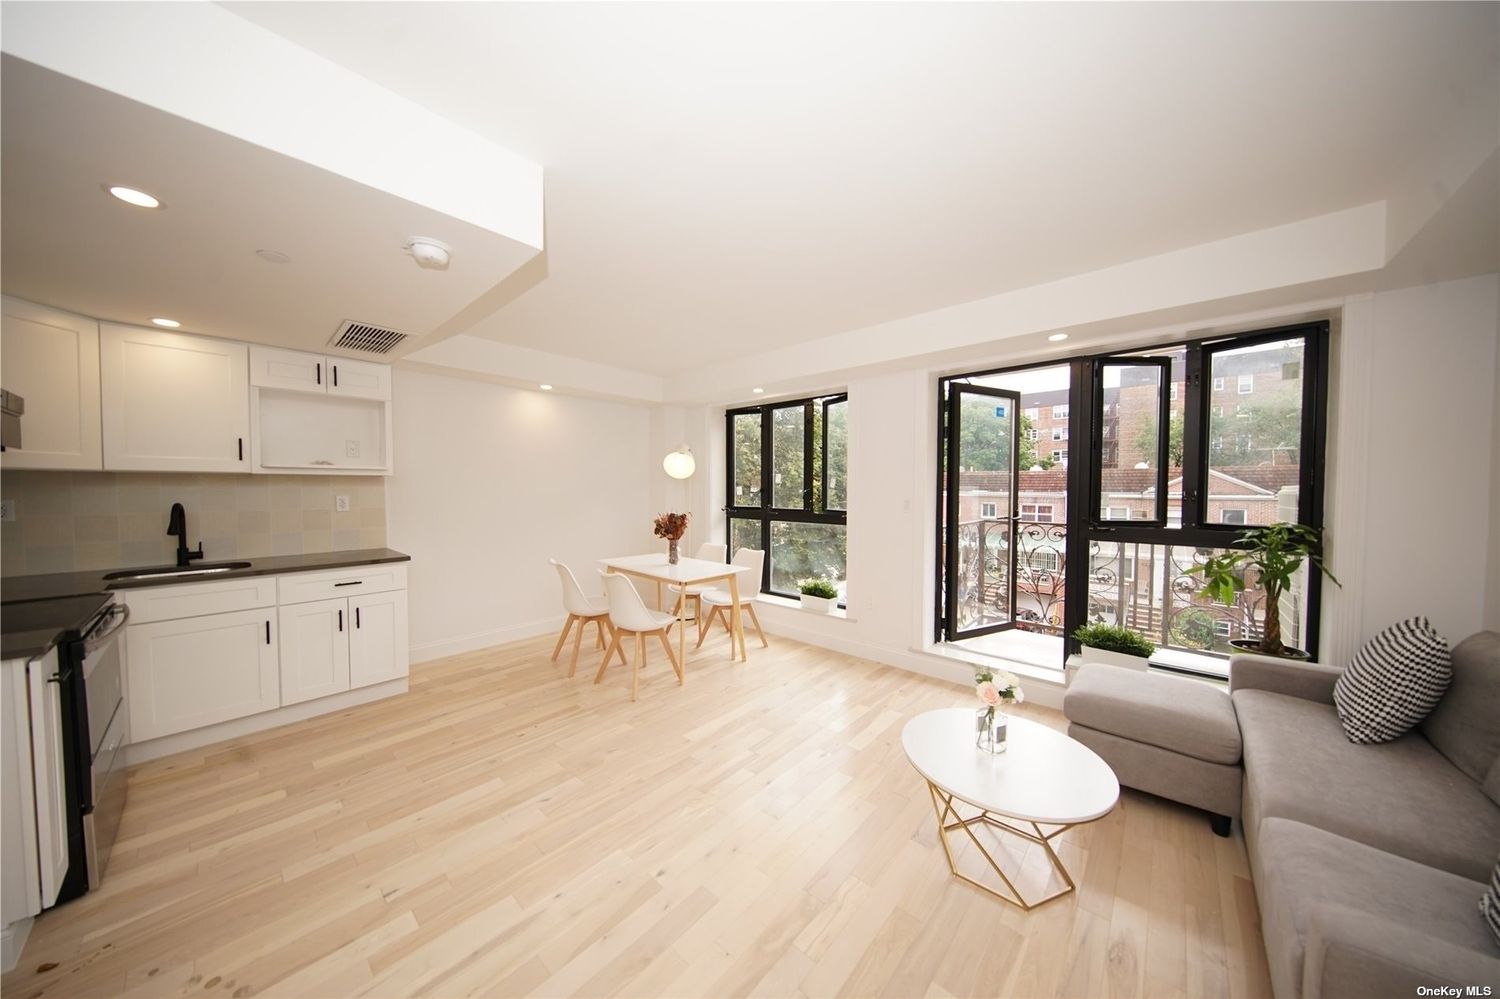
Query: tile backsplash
pixel 103 520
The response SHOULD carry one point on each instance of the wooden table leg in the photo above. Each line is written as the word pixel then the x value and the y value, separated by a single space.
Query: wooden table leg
pixel 737 623
pixel 681 631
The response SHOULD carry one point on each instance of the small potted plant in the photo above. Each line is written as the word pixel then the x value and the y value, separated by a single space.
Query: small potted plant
pixel 1113 644
pixel 818 595
pixel 1274 553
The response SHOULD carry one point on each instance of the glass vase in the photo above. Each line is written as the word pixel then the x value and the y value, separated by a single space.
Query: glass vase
pixel 672 554
pixel 990 730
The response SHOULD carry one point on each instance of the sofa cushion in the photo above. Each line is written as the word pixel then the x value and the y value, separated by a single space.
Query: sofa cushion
pixel 1489 904
pixel 1393 682
pixel 1402 796
pixel 1185 716
pixel 1465 725
pixel 1305 873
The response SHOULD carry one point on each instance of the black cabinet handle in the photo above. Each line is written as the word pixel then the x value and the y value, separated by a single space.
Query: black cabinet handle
pixel 356 617
pixel 341 620
pixel 320 372
pixel 352 582
pixel 335 376
pixel 268 632
pixel 241 442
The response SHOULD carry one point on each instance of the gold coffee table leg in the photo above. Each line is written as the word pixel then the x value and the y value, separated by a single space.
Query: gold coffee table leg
pixel 943 807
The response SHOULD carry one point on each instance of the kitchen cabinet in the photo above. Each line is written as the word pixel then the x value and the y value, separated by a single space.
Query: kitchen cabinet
pixel 378 647
pixel 51 359
pixel 173 402
pixel 314 414
pixel 314 650
pixel 34 847
pixel 193 672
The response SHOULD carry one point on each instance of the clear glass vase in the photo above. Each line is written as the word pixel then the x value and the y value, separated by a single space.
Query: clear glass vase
pixel 672 554
pixel 990 730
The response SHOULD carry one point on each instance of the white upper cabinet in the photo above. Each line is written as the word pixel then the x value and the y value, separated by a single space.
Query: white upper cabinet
pixel 51 359
pixel 272 367
pixel 174 402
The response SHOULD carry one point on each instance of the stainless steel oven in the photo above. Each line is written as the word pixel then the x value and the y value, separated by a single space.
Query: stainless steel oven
pixel 100 729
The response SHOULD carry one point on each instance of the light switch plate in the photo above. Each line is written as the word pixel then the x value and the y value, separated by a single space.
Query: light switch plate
pixel 351 449
pixel 8 511
pixel 341 504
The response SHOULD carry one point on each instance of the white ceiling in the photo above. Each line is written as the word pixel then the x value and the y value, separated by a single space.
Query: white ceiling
pixel 66 243
pixel 727 178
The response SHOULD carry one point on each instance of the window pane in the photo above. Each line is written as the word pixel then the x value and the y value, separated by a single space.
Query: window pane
pixel 802 551
pixel 1131 428
pixel 746 460
pixel 787 447
pixel 1255 434
pixel 743 534
pixel 1148 588
pixel 836 440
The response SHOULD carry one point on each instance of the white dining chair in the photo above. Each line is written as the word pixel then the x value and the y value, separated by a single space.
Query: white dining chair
pixel 707 552
pixel 719 602
pixel 629 615
pixel 581 610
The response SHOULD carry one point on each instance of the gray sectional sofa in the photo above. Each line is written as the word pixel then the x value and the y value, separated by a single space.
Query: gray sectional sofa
pixel 1369 860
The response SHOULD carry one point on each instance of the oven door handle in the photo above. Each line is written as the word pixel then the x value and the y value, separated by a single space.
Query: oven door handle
pixel 106 628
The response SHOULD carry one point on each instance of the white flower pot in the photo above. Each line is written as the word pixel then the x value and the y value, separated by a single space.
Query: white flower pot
pixel 817 605
pixel 1093 655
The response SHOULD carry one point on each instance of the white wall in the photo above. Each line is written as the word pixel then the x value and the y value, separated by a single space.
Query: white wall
pixel 491 481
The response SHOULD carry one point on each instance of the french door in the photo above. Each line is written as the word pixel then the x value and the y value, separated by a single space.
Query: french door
pixel 979 537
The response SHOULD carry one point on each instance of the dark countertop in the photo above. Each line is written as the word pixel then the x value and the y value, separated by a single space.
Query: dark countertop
pixel 31 627
pixel 73 584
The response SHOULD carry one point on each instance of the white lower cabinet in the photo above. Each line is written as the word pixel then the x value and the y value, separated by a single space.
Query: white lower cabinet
pixel 314 650
pixel 204 653
pixel 377 647
pixel 33 807
pixel 200 670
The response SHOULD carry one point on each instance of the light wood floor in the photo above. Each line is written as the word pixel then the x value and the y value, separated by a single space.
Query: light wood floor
pixel 502 830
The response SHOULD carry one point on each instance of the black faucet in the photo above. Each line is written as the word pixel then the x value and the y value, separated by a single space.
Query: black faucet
pixel 177 524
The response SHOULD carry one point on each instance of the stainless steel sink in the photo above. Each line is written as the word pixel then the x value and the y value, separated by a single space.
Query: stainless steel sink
pixel 170 571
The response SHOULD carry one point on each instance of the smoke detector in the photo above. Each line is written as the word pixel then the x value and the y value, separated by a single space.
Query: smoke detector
pixel 430 254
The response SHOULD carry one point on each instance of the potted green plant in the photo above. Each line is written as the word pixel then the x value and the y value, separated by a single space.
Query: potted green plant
pixel 818 595
pixel 1273 553
pixel 1113 644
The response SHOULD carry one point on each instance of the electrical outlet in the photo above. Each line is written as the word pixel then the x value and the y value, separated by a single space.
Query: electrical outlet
pixel 7 511
pixel 351 449
pixel 341 504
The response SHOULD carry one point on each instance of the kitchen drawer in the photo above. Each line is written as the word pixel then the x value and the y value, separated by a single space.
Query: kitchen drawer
pixel 305 587
pixel 168 603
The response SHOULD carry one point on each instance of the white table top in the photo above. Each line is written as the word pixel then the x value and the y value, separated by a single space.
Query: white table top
pixel 687 570
pixel 1043 776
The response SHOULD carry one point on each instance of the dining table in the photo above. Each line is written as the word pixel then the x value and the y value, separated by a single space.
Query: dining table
pixel 680 575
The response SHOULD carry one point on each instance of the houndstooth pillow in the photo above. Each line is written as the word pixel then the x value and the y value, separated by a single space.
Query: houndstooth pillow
pixel 1489 903
pixel 1393 682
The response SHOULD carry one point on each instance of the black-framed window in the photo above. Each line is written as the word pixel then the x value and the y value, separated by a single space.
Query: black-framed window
pixel 788 489
pixel 1176 449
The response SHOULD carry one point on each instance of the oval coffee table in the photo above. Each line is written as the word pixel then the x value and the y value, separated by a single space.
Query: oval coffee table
pixel 1043 778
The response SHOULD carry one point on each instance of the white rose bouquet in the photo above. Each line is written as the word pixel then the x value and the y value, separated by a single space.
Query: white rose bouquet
pixel 994 688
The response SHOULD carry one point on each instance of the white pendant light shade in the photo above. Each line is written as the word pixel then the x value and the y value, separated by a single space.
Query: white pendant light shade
pixel 679 464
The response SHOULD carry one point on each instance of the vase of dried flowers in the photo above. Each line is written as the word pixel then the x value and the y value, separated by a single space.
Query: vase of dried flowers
pixel 672 526
pixel 994 688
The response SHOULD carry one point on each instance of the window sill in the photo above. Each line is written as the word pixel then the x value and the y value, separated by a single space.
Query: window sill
pixel 838 613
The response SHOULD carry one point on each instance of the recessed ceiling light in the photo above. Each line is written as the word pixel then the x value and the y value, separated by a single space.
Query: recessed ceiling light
pixel 1058 337
pixel 545 387
pixel 758 391
pixel 273 256
pixel 131 196
pixel 170 324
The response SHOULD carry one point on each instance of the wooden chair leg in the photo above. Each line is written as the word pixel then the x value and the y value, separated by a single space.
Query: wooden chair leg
pixel 671 656
pixel 599 632
pixel 608 655
pixel 704 626
pixel 557 649
pixel 640 660
pixel 758 629
pixel 577 644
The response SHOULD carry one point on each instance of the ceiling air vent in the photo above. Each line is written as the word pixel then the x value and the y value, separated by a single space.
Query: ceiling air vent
pixel 370 339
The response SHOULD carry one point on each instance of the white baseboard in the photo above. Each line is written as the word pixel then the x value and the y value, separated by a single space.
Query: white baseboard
pixel 12 940
pixel 485 639
pixel 140 752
